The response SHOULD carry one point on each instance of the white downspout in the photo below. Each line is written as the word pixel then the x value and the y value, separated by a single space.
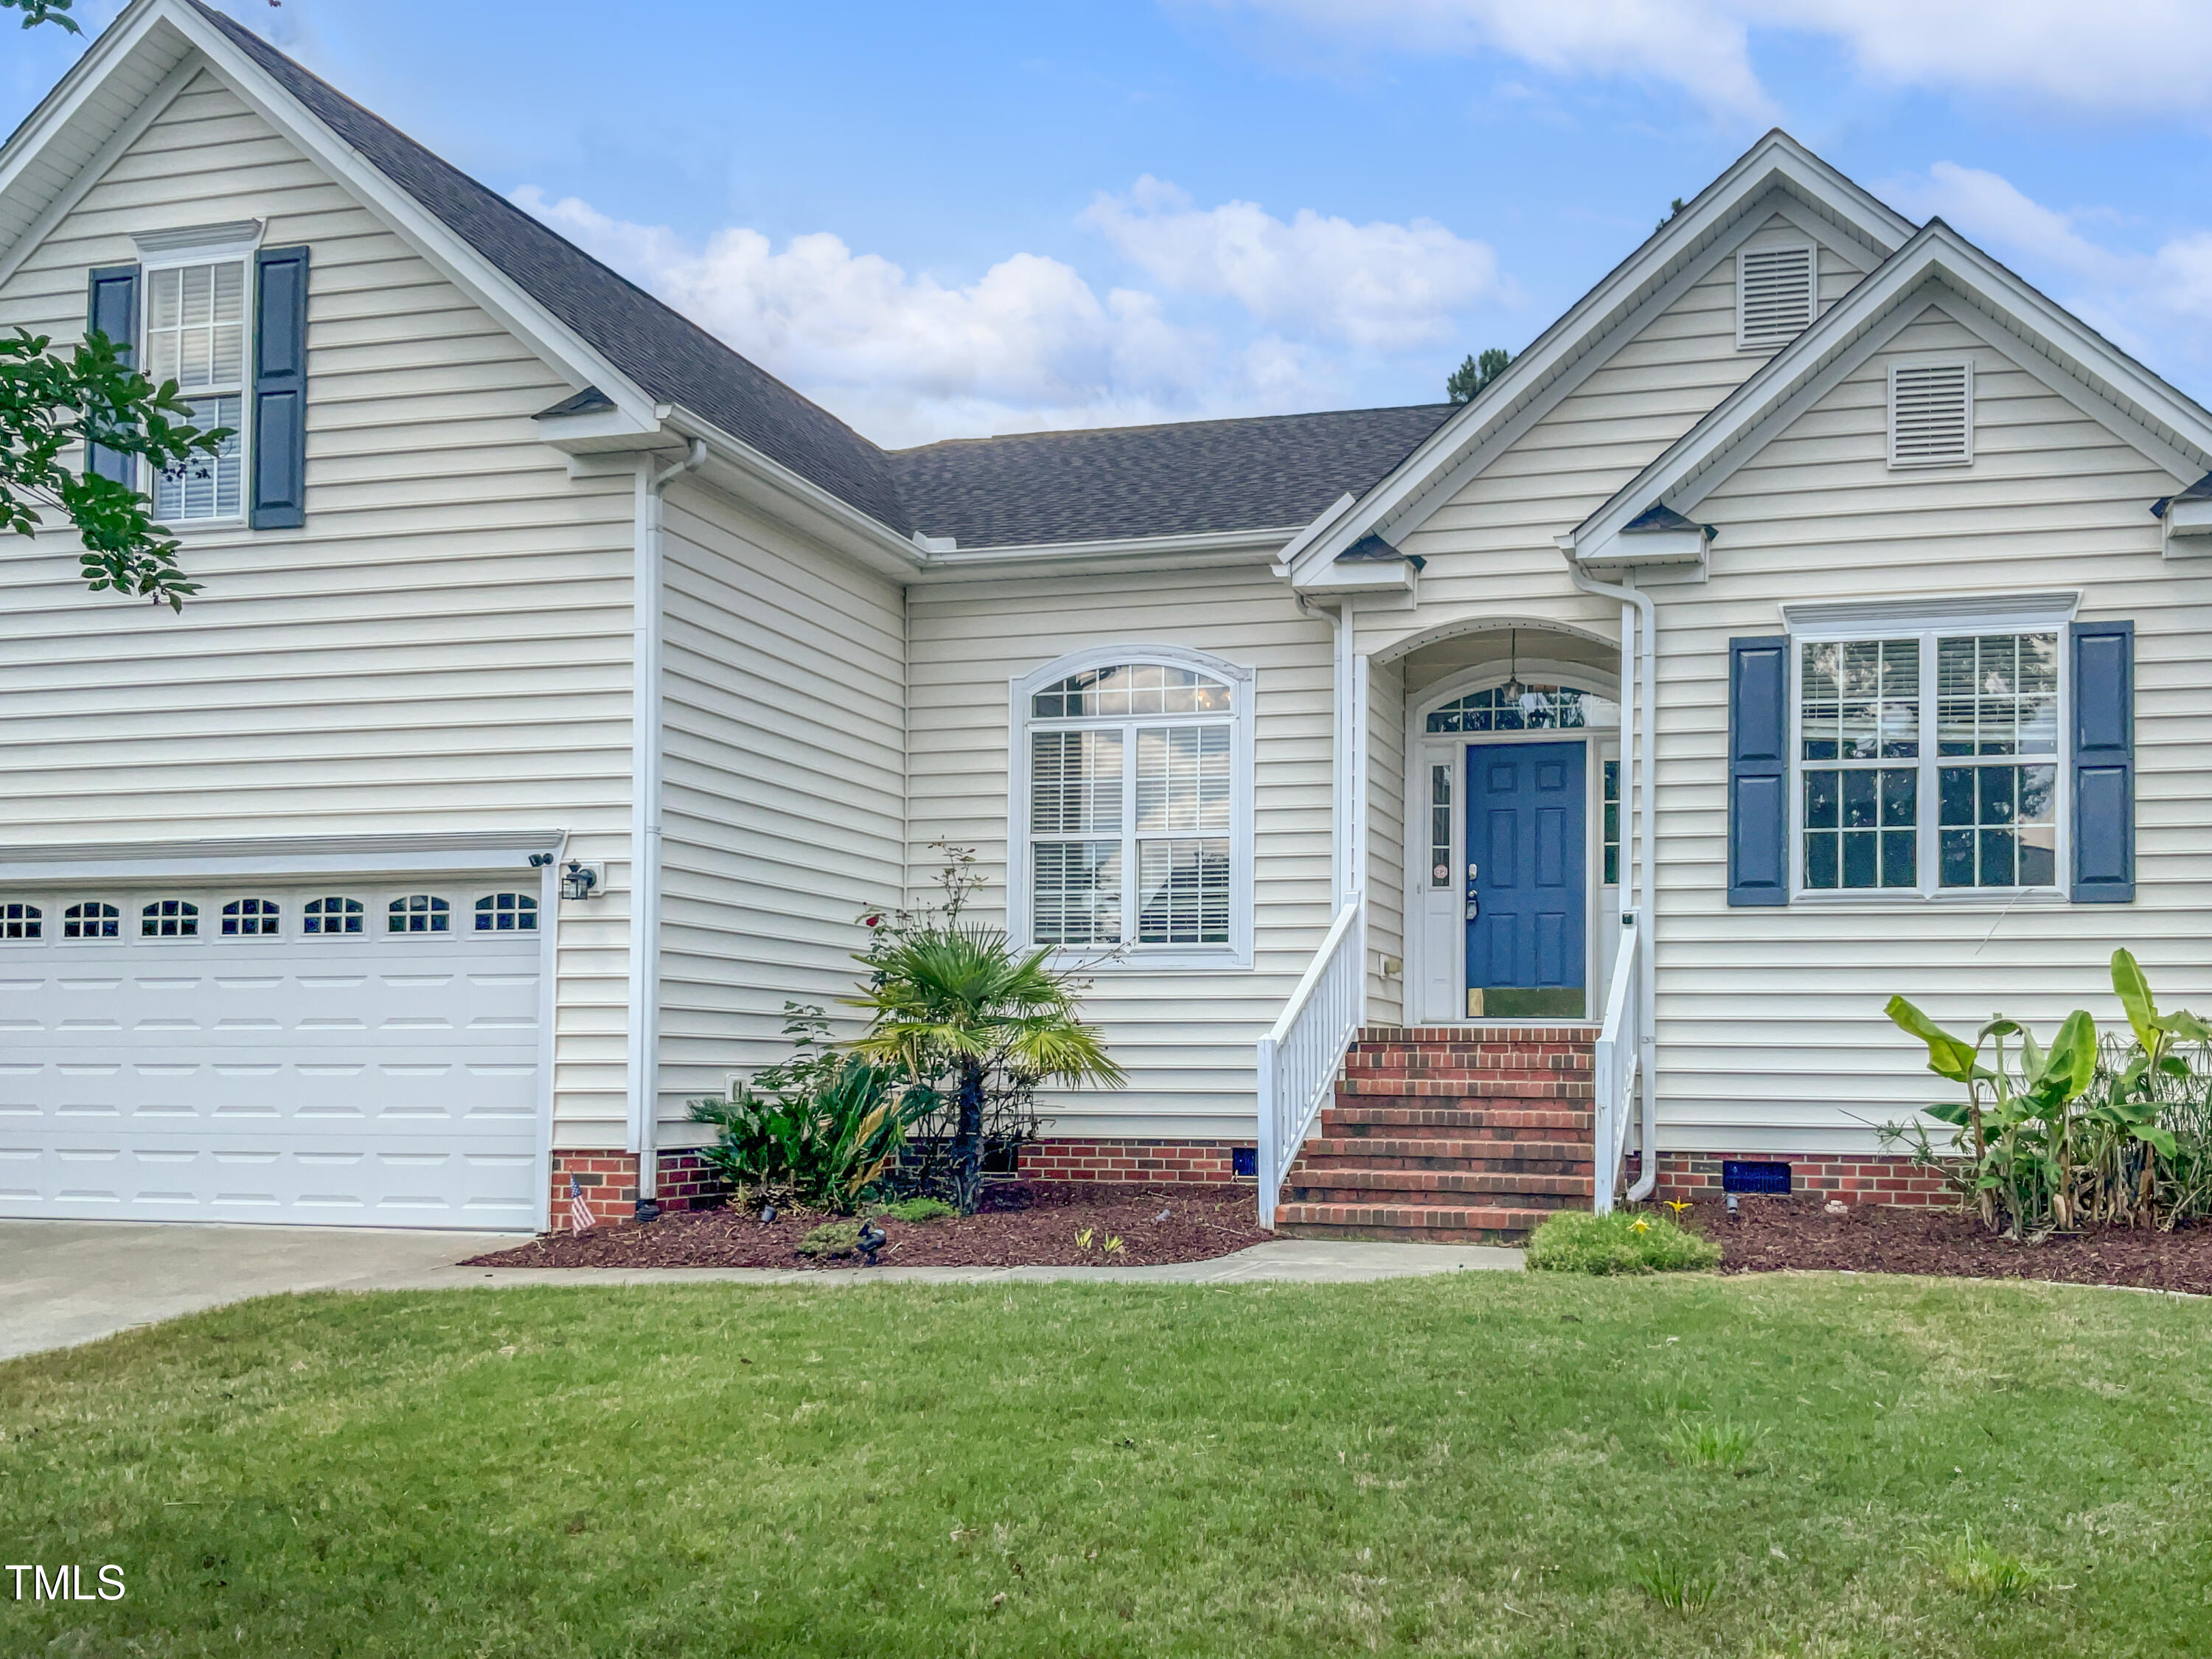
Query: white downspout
pixel 646 754
pixel 1642 727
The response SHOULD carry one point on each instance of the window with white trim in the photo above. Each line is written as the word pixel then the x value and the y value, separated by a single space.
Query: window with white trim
pixel 196 335
pixel 21 921
pixel 92 920
pixel 169 919
pixel 249 918
pixel 1130 817
pixel 419 913
pixel 332 915
pixel 1881 807
pixel 506 913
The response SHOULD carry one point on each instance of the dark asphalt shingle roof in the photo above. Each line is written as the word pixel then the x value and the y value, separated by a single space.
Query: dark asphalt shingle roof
pixel 1267 473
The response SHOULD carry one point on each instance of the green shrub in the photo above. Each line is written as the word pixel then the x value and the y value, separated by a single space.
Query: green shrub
pixel 824 1126
pixel 918 1209
pixel 1576 1242
pixel 832 1238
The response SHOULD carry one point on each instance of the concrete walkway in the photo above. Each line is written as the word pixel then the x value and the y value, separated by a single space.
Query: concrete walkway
pixel 65 1282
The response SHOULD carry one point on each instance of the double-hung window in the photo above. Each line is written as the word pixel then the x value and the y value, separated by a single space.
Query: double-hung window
pixel 1132 811
pixel 1928 761
pixel 197 334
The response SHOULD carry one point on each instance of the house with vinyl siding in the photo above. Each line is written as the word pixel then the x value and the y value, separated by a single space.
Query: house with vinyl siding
pixel 1463 810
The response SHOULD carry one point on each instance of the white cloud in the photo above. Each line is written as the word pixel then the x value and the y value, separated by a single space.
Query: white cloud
pixel 2157 303
pixel 1031 344
pixel 2119 56
pixel 1377 286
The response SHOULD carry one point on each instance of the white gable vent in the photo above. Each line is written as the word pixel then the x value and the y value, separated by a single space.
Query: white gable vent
pixel 1931 414
pixel 1773 296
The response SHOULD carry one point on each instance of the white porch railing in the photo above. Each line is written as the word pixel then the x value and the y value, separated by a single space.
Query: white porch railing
pixel 1616 1070
pixel 1299 1057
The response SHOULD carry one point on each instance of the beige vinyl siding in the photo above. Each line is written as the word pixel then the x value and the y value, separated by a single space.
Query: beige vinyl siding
pixel 445 646
pixel 1385 872
pixel 1187 1038
pixel 1489 549
pixel 784 790
pixel 1771 1020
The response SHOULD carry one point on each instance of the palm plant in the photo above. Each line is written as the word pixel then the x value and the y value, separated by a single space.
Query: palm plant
pixel 957 1002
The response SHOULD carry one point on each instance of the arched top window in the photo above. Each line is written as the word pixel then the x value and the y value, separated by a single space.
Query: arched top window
pixel 420 913
pixel 169 919
pixel 506 913
pixel 333 914
pixel 1122 690
pixel 22 921
pixel 1514 707
pixel 92 920
pixel 1132 809
pixel 249 918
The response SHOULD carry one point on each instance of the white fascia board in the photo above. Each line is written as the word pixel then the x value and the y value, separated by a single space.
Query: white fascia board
pixel 65 201
pixel 2185 532
pixel 1363 576
pixel 737 469
pixel 604 431
pixel 485 283
pixel 1207 550
pixel 1805 370
pixel 278 855
pixel 1698 235
pixel 1647 547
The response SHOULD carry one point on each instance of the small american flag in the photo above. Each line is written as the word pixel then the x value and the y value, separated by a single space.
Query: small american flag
pixel 580 1212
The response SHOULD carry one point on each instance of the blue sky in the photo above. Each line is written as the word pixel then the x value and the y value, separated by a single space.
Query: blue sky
pixel 946 221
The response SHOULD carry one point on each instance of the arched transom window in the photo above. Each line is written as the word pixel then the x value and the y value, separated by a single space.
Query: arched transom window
pixel 1514 707
pixel 1132 816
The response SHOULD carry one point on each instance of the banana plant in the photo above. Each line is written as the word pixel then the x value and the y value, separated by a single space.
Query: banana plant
pixel 2018 1120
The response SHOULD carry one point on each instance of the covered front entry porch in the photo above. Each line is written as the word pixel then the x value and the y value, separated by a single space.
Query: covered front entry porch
pixel 1509 866
pixel 1490 954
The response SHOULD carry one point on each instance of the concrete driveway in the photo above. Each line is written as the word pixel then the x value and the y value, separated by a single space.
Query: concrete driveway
pixel 64 1282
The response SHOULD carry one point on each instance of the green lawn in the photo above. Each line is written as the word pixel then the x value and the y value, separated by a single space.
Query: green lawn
pixel 1485 1464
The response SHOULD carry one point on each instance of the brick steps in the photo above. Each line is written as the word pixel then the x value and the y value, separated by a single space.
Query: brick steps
pixel 1448 1135
pixel 1409 1224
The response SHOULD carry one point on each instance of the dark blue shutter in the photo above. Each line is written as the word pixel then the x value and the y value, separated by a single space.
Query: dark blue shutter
pixel 280 390
pixel 1759 771
pixel 113 311
pixel 2104 667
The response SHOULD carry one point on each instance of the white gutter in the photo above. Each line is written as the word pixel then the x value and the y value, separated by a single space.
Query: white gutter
pixel 1639 728
pixel 646 755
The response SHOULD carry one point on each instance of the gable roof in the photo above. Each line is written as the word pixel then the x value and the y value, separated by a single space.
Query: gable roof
pixel 1269 472
pixel 1729 208
pixel 1938 265
pixel 1184 480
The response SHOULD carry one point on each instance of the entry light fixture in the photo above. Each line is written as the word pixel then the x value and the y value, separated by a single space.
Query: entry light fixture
pixel 579 881
pixel 1513 694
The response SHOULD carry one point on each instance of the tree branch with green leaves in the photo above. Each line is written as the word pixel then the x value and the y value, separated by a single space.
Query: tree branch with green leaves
pixel 54 403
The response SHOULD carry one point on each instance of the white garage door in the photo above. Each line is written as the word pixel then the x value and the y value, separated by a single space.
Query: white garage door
pixel 343 1054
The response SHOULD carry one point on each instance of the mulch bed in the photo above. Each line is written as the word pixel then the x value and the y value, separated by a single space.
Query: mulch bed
pixel 1774 1234
pixel 1021 1224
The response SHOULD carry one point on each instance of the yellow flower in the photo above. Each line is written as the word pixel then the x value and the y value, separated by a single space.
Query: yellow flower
pixel 1677 1206
pixel 1639 1225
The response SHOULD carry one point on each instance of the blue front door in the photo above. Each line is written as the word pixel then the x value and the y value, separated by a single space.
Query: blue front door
pixel 1527 871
